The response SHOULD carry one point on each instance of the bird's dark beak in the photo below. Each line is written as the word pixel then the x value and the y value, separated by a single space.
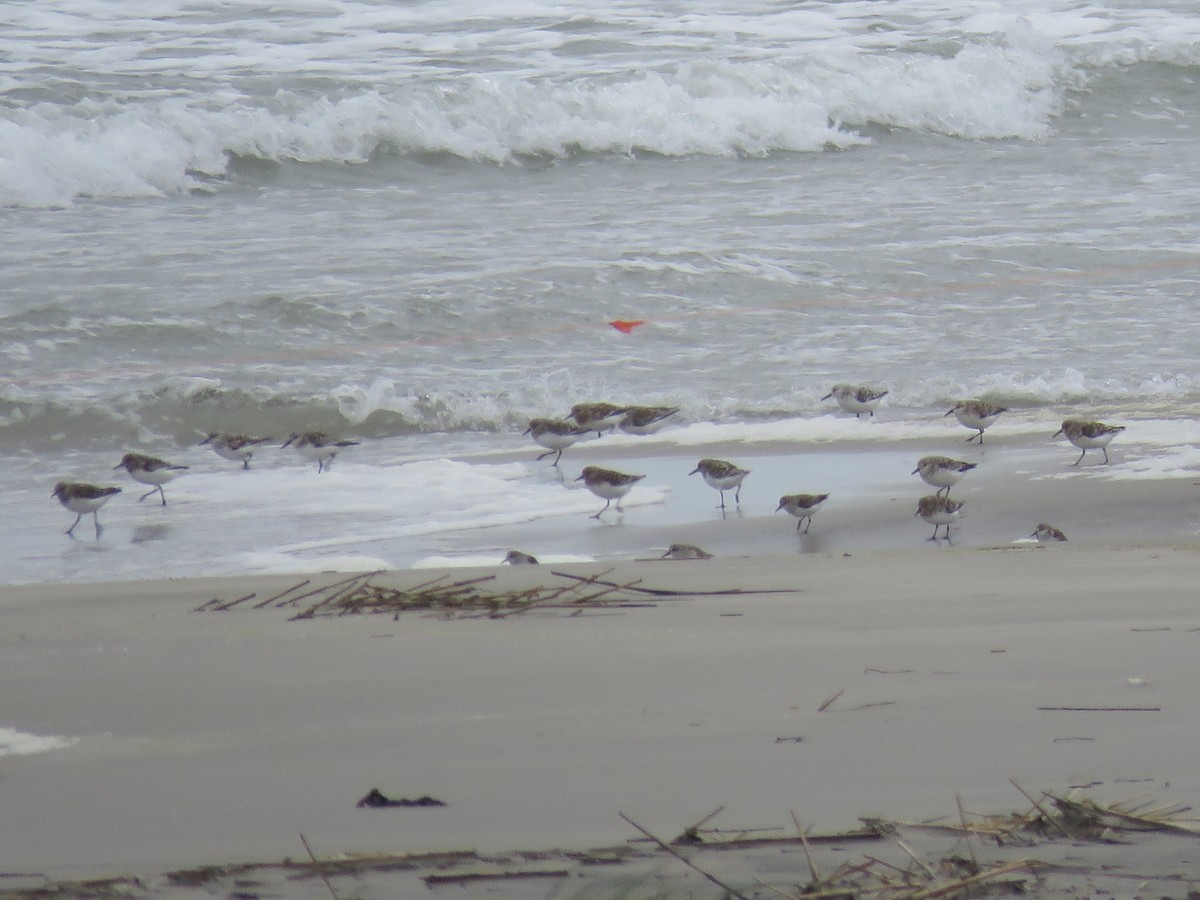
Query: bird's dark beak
pixel 915 471
pixel 950 413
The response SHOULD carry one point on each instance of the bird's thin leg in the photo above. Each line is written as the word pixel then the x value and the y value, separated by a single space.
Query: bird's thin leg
pixel 603 511
pixel 1105 450
pixel 807 523
pixel 73 524
pixel 96 522
pixel 147 494
pixel 1081 456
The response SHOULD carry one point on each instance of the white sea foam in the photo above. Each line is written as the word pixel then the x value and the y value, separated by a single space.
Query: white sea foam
pixel 18 743
pixel 339 84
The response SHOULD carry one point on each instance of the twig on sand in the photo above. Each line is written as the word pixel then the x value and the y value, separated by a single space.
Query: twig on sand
pixel 954 886
pixel 812 866
pixel 683 859
pixel 1038 806
pixel 962 817
pixel 317 865
pixel 828 703
pixel 664 592
pixel 691 834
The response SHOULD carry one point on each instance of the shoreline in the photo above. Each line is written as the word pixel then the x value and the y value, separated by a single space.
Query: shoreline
pixel 218 736
pixel 301 522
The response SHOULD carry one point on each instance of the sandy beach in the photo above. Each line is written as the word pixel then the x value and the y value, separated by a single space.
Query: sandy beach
pixel 192 737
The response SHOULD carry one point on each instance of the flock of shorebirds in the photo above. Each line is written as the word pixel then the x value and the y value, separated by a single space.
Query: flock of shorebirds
pixel 941 472
pixel 557 434
pixel 83 497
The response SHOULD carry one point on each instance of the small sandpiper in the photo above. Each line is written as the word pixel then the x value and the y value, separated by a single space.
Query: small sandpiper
pixel 150 470
pixel 723 476
pixel 941 472
pixel 643 420
pixel 802 506
pixel 1046 533
pixel 686 551
pixel 938 511
pixel 319 446
pixel 1089 436
pixel 856 398
pixel 83 498
pixel 234 447
pixel 556 435
pixel 597 417
pixel 976 415
pixel 608 484
pixel 518 558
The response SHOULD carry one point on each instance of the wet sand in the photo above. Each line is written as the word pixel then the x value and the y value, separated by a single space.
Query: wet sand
pixel 219 737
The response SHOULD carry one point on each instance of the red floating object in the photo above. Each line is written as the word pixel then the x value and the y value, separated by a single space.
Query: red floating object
pixel 626 326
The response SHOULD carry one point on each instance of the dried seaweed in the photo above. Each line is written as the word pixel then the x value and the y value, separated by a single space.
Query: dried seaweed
pixel 365 594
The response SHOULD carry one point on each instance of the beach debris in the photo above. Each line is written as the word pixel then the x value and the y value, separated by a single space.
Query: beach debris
pixel 626 326
pixel 468 598
pixel 923 860
pixel 376 799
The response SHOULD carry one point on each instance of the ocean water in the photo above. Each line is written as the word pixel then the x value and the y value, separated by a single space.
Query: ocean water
pixel 411 224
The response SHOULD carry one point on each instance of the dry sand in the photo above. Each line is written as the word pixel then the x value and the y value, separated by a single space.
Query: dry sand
pixel 220 737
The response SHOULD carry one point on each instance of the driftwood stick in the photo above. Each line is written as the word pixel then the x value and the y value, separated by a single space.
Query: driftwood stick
pixel 663 592
pixel 232 603
pixel 281 594
pixel 326 587
pixel 828 703
pixel 920 862
pixel 1038 806
pixel 683 859
pixel 812 865
pixel 777 891
pixel 337 591
pixel 974 879
pixel 317 866
pixel 692 832
pixel 962 817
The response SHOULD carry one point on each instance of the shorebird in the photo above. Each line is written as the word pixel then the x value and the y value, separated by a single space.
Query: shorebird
pixel 235 447
pixel 856 398
pixel 517 558
pixel 941 471
pixel 938 511
pixel 317 445
pixel 150 470
pixel 645 419
pixel 802 506
pixel 597 417
pixel 83 498
pixel 1089 436
pixel 608 484
pixel 686 551
pixel 556 435
pixel 723 476
pixel 976 415
pixel 1045 533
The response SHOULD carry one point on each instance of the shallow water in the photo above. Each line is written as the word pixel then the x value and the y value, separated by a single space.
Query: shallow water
pixel 413 227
